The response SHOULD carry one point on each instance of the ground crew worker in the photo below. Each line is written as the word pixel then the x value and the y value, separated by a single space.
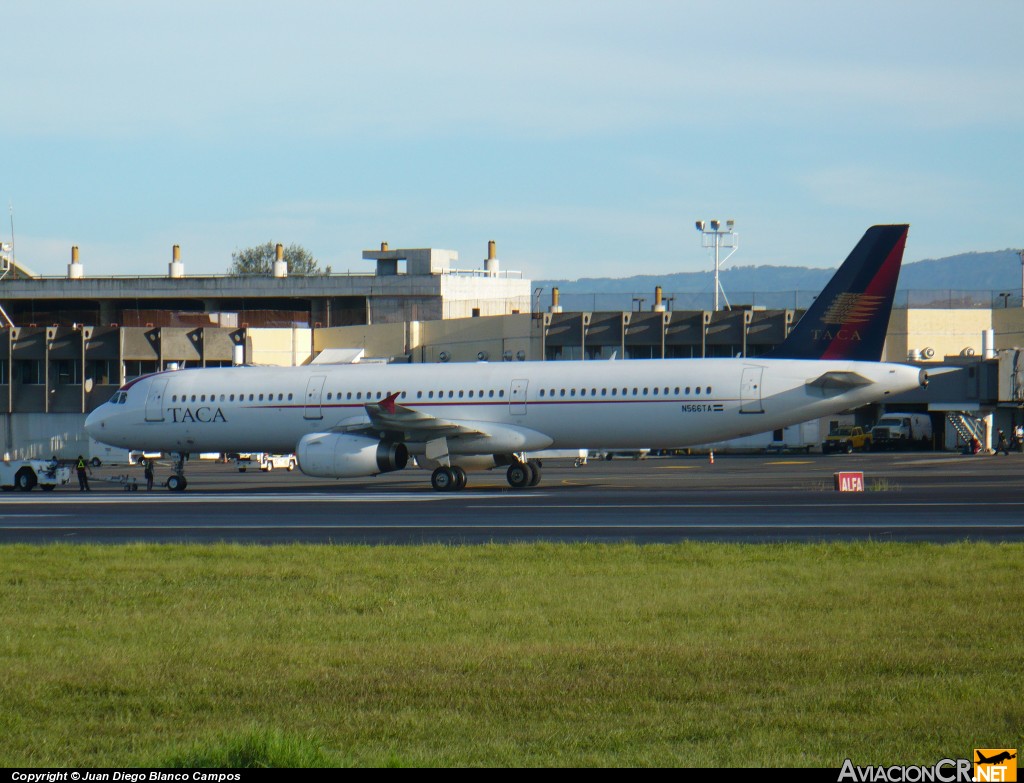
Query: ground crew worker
pixel 1003 446
pixel 149 475
pixel 83 479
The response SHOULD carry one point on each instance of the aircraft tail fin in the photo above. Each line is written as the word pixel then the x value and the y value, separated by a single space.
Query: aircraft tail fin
pixel 850 318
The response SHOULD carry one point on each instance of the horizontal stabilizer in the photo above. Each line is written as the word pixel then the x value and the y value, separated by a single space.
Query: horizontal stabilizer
pixel 839 381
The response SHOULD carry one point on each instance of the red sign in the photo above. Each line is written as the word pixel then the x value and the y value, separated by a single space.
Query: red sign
pixel 849 481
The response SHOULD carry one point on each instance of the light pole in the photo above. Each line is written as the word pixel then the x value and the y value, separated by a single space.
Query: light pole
pixel 1021 254
pixel 713 235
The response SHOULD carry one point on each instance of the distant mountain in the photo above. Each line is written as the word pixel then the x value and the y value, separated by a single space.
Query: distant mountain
pixel 996 270
pixel 784 286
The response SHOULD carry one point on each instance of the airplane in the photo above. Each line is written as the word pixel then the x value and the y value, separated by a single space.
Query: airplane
pixel 348 421
pixel 1004 756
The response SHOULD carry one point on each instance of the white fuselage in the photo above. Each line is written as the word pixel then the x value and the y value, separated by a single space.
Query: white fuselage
pixel 528 405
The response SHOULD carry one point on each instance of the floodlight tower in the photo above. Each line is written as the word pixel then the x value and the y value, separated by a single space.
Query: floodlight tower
pixel 1021 254
pixel 713 235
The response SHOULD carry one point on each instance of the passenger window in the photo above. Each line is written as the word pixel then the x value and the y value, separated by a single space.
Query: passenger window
pixel 403 395
pixel 290 396
pixel 451 393
pixel 501 392
pixel 261 398
pixel 359 395
pixel 583 392
pixel 655 391
pixel 430 395
pixel 697 390
pixel 707 390
pixel 687 389
pixel 541 392
pixel 572 392
pixel 460 394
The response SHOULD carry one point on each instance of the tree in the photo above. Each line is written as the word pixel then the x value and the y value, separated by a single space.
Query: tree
pixel 259 260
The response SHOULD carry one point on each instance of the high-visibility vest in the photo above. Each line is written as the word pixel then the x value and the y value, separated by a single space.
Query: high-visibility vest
pixel 81 464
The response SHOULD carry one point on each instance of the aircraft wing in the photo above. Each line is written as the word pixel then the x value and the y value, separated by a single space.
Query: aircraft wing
pixel 389 418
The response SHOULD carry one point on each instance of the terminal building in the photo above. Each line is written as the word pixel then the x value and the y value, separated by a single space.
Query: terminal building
pixel 67 343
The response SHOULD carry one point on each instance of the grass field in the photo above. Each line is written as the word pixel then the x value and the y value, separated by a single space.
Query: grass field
pixel 523 655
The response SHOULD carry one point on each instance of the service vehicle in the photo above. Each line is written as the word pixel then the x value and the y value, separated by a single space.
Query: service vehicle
pixel 24 474
pixel 266 462
pixel 846 438
pixel 902 431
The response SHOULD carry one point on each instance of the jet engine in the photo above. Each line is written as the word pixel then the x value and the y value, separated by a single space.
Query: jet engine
pixel 334 455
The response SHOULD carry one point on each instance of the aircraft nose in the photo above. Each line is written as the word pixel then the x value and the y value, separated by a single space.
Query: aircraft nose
pixel 94 423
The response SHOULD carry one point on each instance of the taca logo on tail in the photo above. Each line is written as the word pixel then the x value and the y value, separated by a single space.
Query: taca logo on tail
pixel 843 322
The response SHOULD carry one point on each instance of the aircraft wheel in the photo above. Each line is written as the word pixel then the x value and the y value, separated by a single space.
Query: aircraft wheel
pixel 461 479
pixel 268 467
pixel 96 462
pixel 519 475
pixel 291 465
pixel 177 483
pixel 443 479
pixel 849 448
pixel 535 473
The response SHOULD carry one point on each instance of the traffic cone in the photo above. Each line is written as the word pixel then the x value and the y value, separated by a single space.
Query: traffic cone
pixel 711 457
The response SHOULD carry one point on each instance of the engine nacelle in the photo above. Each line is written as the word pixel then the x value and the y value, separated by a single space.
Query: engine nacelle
pixel 333 455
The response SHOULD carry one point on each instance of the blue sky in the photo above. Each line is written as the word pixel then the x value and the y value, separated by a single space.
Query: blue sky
pixel 584 137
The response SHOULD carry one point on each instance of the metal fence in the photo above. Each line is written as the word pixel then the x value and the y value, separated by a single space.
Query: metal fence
pixel 936 299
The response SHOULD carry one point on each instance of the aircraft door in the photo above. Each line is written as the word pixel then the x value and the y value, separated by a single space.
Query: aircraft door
pixel 750 390
pixel 517 397
pixel 314 393
pixel 155 400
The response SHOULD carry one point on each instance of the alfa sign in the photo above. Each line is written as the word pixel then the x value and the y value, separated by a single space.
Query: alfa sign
pixel 849 481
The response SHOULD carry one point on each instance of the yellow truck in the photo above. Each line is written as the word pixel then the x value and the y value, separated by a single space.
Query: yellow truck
pixel 847 438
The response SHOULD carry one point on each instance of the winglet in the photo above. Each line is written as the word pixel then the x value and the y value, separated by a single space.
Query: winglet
pixel 388 403
pixel 850 318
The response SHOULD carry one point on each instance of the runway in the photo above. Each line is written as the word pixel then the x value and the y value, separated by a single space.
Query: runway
pixel 910 497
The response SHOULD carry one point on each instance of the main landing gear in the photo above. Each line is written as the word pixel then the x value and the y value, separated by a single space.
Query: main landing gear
pixel 448 479
pixel 453 478
pixel 523 474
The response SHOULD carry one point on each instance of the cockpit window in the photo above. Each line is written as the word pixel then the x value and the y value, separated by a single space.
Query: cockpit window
pixel 119 398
